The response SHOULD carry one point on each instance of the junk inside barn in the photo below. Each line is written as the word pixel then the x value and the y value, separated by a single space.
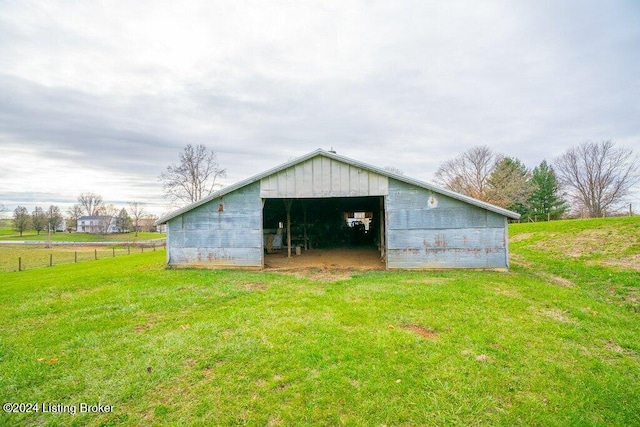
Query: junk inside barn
pixel 324 203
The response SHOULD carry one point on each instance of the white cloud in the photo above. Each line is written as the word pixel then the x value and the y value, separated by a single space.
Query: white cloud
pixel 118 88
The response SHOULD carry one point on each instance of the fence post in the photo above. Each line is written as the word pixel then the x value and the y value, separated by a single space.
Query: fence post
pixel 75 256
pixel 50 260
pixel 95 254
pixel 142 247
pixel 129 250
pixel 114 251
pixel 19 263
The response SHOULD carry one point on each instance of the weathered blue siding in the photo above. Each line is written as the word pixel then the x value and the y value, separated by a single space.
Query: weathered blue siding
pixel 430 230
pixel 226 231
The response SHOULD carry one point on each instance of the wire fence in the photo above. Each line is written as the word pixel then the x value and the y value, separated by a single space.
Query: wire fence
pixel 21 258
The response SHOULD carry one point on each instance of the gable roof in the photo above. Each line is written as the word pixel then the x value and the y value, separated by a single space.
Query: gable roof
pixel 355 163
pixel 96 217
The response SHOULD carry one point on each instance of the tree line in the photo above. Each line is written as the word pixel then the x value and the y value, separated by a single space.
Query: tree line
pixel 592 179
pixel 89 204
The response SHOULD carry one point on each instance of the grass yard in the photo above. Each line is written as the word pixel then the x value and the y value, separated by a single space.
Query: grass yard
pixel 10 234
pixel 555 341
pixel 28 257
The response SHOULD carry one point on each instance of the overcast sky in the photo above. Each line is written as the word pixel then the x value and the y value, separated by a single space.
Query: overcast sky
pixel 101 96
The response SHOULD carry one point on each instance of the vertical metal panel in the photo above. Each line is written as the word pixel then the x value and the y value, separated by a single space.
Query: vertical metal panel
pixel 317 177
pixel 307 179
pixel 429 230
pixel 344 180
pixel 323 177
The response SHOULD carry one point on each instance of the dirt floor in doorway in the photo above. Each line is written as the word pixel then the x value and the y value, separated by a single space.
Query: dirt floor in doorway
pixel 342 258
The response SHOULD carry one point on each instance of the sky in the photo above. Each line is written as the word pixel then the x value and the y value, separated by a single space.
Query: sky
pixel 101 96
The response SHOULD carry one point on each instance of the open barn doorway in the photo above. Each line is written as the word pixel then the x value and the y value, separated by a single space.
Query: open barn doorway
pixel 341 232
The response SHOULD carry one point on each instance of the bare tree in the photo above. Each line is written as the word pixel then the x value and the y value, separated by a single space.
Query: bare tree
pixel 21 219
pixel 38 219
pixel 136 209
pixel 74 213
pixel 194 177
pixel 469 172
pixel 54 218
pixel 91 203
pixel 106 216
pixel 148 223
pixel 598 176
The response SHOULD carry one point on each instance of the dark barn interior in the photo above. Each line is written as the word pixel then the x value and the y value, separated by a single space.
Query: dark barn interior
pixel 323 223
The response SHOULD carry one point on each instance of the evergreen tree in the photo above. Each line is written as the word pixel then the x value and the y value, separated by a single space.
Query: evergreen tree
pixel 509 185
pixel 123 221
pixel 546 202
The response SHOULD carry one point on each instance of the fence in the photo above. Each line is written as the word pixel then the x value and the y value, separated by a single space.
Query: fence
pixel 28 257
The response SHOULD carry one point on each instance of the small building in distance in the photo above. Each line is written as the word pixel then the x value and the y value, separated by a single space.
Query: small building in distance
pixel 98 224
pixel 324 200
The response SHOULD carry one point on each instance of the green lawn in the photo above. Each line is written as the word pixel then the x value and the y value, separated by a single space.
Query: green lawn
pixel 10 234
pixel 555 341
pixel 28 257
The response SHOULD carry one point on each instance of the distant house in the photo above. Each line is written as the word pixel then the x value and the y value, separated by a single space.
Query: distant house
pixel 62 226
pixel 97 224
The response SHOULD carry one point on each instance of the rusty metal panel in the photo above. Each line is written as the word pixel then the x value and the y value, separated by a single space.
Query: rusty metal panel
pixel 216 257
pixel 323 177
pixel 447 258
pixel 431 230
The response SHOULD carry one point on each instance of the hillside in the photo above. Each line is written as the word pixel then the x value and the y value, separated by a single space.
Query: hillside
pixel 601 256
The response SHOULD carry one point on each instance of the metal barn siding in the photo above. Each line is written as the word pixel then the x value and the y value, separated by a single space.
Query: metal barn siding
pixel 225 231
pixel 426 229
pixel 323 177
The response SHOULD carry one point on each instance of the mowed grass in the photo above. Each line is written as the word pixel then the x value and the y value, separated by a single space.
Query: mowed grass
pixel 28 257
pixel 539 345
pixel 10 234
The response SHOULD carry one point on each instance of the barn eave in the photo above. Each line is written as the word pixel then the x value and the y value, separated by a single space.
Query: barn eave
pixel 319 152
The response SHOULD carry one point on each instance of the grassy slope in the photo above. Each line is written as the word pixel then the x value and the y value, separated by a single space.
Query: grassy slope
pixel 541 345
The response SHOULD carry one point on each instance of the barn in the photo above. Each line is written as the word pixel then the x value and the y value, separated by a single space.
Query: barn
pixel 327 201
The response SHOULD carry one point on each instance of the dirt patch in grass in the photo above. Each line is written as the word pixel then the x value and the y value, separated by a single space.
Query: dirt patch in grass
pixel 255 287
pixel 427 333
pixel 429 281
pixel 520 237
pixel 560 281
pixel 630 262
pixel 142 328
pixel 518 260
pixel 322 274
pixel 557 315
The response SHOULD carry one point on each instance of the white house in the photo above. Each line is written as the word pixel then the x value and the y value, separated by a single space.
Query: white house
pixel 97 224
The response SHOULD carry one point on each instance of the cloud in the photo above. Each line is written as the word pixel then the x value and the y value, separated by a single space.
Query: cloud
pixel 104 95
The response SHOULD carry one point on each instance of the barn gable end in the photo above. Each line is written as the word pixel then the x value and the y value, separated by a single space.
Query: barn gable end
pixel 413 224
pixel 323 177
